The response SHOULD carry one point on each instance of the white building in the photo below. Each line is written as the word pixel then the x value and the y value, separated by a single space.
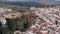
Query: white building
pixel 2 20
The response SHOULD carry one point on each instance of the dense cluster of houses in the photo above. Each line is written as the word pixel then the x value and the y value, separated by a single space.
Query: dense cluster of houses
pixel 47 22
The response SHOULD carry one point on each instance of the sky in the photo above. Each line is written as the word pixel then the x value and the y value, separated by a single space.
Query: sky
pixel 30 0
pixel 34 0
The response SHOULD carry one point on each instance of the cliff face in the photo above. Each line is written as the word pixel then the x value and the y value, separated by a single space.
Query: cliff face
pixel 27 17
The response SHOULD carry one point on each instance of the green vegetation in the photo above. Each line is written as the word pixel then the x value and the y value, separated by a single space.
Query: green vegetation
pixel 12 25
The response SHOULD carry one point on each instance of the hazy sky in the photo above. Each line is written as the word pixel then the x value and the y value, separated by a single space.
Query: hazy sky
pixel 30 0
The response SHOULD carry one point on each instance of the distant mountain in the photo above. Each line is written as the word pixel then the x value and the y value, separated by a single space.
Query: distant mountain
pixel 47 2
pixel 29 4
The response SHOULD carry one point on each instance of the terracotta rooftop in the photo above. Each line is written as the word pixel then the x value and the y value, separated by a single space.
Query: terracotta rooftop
pixel 1 16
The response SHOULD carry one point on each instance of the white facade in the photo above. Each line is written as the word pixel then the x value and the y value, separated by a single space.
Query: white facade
pixel 3 21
